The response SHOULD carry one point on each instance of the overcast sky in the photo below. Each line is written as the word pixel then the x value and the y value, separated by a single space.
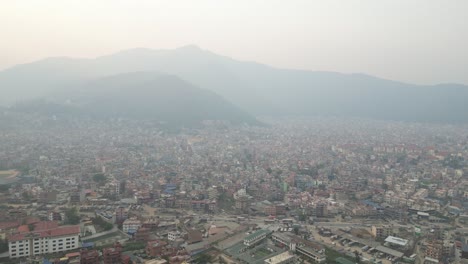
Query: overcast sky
pixel 417 41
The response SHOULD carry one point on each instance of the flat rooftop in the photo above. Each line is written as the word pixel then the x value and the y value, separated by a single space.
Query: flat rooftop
pixel 396 241
pixel 389 251
pixel 279 258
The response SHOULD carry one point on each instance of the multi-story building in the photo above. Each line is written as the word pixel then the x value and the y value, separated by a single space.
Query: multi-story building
pixel 381 231
pixel 321 209
pixel 155 248
pixel 242 203
pixel 55 216
pixel 282 239
pixel 435 249
pixel 270 210
pixel 256 237
pixel 142 234
pixel 308 249
pixel 112 255
pixel 121 214
pixel 45 241
pixel 280 209
pixel 150 223
pixel 173 235
pixel 130 226
pixel 89 256
pixel 316 253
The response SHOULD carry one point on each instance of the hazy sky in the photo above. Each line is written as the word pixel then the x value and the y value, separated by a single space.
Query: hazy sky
pixel 418 41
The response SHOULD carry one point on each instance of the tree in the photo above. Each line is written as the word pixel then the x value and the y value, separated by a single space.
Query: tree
pixel 302 217
pixel 296 230
pixel 99 178
pixel 203 258
pixel 71 216
pixel 357 256
pixel 26 196
pixel 385 186
pixel 3 245
pixel 4 188
pixel 102 223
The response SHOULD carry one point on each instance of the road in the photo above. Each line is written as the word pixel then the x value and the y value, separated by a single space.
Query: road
pixel 114 229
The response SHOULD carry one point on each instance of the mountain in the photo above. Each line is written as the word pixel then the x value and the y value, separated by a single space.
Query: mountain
pixel 141 95
pixel 256 88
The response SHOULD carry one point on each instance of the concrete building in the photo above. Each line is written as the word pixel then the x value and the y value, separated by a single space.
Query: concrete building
pixel 316 254
pixel 321 210
pixel 381 231
pixel 435 249
pixel 130 226
pixel 89 256
pixel 45 241
pixel 112 255
pixel 256 237
pixel 173 235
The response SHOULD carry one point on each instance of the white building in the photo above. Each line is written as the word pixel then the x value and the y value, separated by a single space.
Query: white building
pixel 256 237
pixel 173 235
pixel 131 225
pixel 49 241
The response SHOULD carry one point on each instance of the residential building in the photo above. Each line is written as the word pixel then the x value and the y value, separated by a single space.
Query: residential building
pixel 256 237
pixel 112 255
pixel 45 241
pixel 173 235
pixel 130 226
pixel 89 256
pixel 381 231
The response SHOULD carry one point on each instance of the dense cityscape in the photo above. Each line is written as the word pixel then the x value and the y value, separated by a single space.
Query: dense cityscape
pixel 292 190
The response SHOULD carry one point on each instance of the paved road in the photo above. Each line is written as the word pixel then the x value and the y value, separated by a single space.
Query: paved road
pixel 114 229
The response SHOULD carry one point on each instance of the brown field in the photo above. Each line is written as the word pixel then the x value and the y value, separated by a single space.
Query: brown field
pixel 8 174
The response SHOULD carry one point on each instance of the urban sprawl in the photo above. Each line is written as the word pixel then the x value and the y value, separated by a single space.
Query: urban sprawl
pixel 311 190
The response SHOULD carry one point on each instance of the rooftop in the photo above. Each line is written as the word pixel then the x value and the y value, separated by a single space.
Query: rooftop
pixel 256 233
pixel 389 251
pixel 279 258
pixel 55 232
pixel 396 241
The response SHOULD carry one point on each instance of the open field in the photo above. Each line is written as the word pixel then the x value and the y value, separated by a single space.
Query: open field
pixel 8 176
pixel 8 173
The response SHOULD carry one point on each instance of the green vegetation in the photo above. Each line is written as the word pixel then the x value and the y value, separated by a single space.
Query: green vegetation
pixel 106 226
pixel 3 245
pixel 225 201
pixel 454 162
pixel 4 188
pixel 263 252
pixel 99 178
pixel 331 255
pixel 203 258
pixel 296 230
pixel 133 246
pixel 71 216
pixel 26 196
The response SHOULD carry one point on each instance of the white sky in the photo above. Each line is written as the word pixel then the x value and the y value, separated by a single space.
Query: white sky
pixel 418 41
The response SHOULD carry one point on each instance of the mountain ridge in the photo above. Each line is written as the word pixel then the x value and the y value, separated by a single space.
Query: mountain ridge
pixel 261 89
pixel 142 95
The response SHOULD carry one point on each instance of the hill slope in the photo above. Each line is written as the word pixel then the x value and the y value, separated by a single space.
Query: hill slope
pixel 143 95
pixel 257 88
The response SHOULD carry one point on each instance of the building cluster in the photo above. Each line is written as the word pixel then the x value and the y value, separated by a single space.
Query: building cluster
pixel 176 195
